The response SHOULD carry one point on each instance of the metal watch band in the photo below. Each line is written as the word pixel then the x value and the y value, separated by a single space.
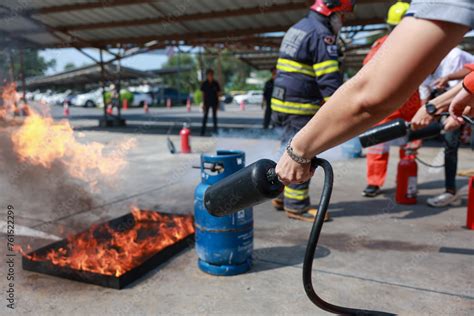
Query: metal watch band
pixel 295 157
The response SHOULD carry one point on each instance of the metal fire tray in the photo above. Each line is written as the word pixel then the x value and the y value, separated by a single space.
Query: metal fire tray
pixel 46 267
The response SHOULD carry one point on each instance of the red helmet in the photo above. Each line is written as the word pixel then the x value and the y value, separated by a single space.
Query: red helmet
pixel 328 7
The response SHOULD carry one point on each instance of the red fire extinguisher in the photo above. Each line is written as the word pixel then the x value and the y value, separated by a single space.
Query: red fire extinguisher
pixel 407 178
pixel 185 133
pixel 470 205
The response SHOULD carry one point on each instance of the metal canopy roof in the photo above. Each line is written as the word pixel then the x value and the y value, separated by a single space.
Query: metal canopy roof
pixel 99 23
pixel 84 75
pixel 92 75
pixel 260 60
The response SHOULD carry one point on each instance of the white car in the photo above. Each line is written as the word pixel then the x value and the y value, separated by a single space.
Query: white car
pixel 58 98
pixel 251 97
pixel 89 99
pixel 42 96
pixel 139 99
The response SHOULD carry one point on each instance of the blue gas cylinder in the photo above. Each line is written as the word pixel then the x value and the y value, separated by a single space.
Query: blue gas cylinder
pixel 224 245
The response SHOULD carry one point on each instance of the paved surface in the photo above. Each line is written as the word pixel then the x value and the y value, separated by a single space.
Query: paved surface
pixel 410 260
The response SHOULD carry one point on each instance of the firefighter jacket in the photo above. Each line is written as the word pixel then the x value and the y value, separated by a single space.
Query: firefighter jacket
pixel 308 68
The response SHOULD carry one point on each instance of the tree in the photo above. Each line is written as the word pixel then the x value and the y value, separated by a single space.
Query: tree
pixel 69 66
pixel 234 71
pixel 33 63
pixel 186 81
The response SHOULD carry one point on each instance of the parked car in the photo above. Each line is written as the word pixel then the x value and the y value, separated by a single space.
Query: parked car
pixel 89 99
pixel 251 97
pixel 69 98
pixel 227 98
pixel 59 98
pixel 42 96
pixel 139 99
pixel 161 95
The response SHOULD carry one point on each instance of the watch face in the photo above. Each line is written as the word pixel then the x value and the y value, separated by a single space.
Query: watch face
pixel 430 108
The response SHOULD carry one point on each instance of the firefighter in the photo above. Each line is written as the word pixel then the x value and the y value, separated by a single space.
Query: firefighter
pixel 267 99
pixel 377 156
pixel 416 46
pixel 307 75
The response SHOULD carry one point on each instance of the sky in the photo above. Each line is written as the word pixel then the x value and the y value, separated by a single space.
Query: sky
pixel 63 56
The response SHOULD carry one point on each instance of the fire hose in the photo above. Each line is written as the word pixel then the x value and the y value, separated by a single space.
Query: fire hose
pixel 257 183
pixel 400 128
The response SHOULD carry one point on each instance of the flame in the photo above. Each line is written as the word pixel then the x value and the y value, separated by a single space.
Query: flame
pixel 42 141
pixel 104 250
pixel 10 100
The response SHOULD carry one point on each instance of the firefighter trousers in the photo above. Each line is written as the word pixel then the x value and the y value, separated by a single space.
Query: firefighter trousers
pixel 295 196
pixel 377 161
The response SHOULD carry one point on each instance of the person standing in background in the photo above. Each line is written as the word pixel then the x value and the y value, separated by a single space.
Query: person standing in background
pixel 267 99
pixel 452 63
pixel 378 155
pixel 433 28
pixel 210 95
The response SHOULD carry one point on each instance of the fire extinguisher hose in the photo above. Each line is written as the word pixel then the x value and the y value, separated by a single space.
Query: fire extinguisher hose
pixel 313 243
pixel 428 164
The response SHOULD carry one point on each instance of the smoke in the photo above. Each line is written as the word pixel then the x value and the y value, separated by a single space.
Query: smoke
pixel 38 189
pixel 48 173
pixel 258 144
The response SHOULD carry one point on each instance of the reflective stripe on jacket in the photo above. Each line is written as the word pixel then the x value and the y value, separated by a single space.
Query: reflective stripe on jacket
pixel 308 68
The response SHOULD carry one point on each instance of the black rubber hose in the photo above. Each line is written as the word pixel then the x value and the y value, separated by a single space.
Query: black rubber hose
pixel 313 243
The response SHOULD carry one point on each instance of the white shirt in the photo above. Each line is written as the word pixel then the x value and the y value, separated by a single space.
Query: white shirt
pixel 454 61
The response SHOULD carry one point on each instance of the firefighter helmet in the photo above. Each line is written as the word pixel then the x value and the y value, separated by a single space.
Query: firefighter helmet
pixel 328 7
pixel 396 12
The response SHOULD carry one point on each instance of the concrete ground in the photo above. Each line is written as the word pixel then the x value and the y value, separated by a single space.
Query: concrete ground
pixel 375 254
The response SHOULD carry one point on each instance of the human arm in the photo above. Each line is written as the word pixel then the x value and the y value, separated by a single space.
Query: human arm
pixel 442 82
pixel 442 102
pixel 463 102
pixel 376 91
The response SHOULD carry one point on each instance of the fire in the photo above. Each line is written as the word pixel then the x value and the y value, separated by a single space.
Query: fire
pixel 42 141
pixel 10 100
pixel 114 251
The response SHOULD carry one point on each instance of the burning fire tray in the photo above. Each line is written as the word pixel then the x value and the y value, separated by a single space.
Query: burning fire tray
pixel 116 253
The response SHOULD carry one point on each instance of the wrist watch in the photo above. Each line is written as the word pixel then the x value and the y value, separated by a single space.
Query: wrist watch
pixel 430 108
pixel 295 157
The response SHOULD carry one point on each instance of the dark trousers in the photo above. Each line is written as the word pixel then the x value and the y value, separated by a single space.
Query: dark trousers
pixel 204 118
pixel 451 146
pixel 267 116
pixel 295 196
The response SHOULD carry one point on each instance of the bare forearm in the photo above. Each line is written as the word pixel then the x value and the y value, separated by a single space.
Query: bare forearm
pixel 381 86
pixel 443 101
pixel 458 75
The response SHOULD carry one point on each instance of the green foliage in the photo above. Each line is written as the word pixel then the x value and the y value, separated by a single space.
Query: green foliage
pixel 186 81
pixel 124 94
pixel 234 71
pixel 34 64
pixel 69 66
pixel 197 96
